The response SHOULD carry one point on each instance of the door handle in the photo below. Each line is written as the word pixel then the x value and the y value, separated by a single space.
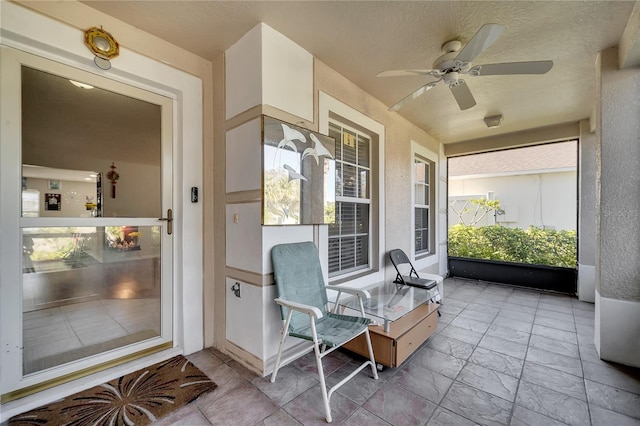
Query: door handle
pixel 169 220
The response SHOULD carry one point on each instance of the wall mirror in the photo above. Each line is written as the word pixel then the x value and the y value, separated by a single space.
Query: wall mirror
pixel 299 175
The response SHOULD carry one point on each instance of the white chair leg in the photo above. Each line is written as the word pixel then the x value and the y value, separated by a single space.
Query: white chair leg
pixel 323 385
pixel 282 340
pixel 277 367
pixel 374 370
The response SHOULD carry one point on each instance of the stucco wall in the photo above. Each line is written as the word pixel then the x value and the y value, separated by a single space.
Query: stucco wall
pixel 587 214
pixel 619 156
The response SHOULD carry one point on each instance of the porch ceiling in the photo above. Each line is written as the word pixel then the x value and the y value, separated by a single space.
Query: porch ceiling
pixel 361 38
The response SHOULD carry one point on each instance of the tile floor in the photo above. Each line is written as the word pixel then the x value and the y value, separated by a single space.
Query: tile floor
pixel 501 356
pixel 52 332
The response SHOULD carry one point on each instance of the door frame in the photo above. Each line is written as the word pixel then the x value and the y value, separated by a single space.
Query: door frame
pixel 48 38
pixel 11 65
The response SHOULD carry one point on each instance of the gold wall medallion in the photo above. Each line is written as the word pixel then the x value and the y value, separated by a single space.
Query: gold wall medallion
pixel 101 43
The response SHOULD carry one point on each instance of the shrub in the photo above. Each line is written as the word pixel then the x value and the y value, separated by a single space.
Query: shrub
pixel 532 246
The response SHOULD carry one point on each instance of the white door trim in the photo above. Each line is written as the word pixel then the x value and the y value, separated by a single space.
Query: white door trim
pixel 42 36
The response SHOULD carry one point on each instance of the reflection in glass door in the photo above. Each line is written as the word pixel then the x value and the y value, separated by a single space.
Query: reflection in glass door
pixel 95 263
pixel 87 290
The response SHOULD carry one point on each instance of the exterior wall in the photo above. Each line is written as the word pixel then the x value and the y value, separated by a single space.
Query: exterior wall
pixel 443 214
pixel 252 319
pixel 587 215
pixel 264 73
pixel 543 199
pixel 617 326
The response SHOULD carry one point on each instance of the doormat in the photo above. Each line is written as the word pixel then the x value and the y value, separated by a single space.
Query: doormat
pixel 138 398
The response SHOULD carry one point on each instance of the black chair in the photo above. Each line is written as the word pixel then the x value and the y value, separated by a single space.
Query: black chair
pixel 399 259
pixel 407 274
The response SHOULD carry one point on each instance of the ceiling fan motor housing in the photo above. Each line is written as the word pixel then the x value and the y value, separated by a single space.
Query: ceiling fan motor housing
pixel 451 78
pixel 451 46
pixel 445 62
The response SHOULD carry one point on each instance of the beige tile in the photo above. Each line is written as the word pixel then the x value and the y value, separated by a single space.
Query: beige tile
pixel 232 408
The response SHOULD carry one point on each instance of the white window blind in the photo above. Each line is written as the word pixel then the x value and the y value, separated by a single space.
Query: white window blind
pixel 421 202
pixel 349 236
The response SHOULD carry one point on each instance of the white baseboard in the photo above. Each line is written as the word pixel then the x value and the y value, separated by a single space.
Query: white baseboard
pixel 617 330
pixel 586 283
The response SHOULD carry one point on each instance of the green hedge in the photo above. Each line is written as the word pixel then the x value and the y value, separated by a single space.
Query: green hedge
pixel 533 246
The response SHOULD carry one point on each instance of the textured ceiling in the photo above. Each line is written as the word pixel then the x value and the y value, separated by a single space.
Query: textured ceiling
pixel 361 38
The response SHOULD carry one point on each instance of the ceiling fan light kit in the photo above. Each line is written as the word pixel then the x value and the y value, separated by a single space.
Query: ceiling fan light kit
pixel 455 62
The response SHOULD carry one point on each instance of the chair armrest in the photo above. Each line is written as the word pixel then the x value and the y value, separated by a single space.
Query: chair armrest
pixel 363 294
pixel 300 307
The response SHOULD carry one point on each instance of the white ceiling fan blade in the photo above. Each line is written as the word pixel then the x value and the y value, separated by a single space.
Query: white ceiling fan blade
pixel 480 41
pixel 509 68
pixel 403 73
pixel 463 95
pixel 414 95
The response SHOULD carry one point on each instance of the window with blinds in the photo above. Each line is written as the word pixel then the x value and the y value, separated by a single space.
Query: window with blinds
pixel 421 202
pixel 349 236
pixel 30 203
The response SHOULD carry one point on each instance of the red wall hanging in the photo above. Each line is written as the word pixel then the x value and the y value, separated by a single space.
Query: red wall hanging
pixel 113 176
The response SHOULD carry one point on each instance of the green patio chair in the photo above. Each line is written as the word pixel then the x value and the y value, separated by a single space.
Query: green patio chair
pixel 302 296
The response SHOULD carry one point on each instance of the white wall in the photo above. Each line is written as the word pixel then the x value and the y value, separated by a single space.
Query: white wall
pixel 266 68
pixel 134 195
pixel 72 194
pixel 263 69
pixel 293 86
pixel 541 200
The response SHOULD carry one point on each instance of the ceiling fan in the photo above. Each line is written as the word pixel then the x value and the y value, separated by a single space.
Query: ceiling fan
pixel 455 62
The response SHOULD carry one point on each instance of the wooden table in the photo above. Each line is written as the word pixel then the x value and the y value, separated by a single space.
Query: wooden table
pixel 405 317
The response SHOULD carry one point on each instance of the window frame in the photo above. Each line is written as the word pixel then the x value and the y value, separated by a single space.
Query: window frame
pixel 428 190
pixel 430 257
pixel 331 108
pixel 355 200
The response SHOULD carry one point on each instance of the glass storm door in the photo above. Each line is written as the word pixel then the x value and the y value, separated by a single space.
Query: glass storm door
pixel 86 206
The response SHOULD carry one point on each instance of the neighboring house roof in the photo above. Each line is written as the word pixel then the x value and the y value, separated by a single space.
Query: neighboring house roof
pixel 553 156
